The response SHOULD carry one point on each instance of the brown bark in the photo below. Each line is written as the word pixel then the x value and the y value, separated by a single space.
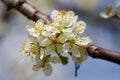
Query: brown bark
pixel 27 9
pixel 102 53
pixel 32 13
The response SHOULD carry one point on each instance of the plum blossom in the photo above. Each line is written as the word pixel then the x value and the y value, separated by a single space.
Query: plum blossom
pixel 112 11
pixel 50 42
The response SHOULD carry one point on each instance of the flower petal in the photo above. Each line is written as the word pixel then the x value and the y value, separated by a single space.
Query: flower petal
pixel 77 59
pixel 81 25
pixel 84 41
pixel 42 53
pixel 66 47
pixel 59 48
pixel 109 12
pixel 50 49
pixel 55 60
pixel 31 31
pixel 75 51
pixel 37 66
pixel 46 42
pixel 47 69
pixel 54 13
pixel 62 38
pixel 33 39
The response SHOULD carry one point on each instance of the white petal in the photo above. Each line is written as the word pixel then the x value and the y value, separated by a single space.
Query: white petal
pixel 54 13
pixel 31 31
pixel 75 51
pixel 81 25
pixel 83 52
pixel 55 60
pixel 29 28
pixel 33 39
pixel 42 52
pixel 47 70
pixel 109 12
pixel 75 19
pixel 46 42
pixel 51 30
pixel 84 41
pixel 50 49
pixel 41 39
pixel 36 67
pixel 70 13
pixel 67 23
pixel 68 30
pixel 59 48
pixel 62 38
pixel 69 19
pixel 76 59
pixel 39 24
pixel 66 47
pixel 46 33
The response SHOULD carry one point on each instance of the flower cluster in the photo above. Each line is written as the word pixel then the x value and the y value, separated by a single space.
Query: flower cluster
pixel 51 42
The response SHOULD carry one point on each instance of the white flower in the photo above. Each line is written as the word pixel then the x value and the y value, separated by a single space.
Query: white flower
pixel 79 27
pixel 112 10
pixel 47 69
pixel 32 31
pixel 109 12
pixel 63 18
pixel 84 41
pixel 37 28
pixel 44 64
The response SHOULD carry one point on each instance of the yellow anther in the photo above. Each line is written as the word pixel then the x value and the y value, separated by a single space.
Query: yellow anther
pixel 34 48
pixel 108 10
pixel 22 49
pixel 61 13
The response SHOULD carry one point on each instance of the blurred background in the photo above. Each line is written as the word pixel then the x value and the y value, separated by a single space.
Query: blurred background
pixel 103 32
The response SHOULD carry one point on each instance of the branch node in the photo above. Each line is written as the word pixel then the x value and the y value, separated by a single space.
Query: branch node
pixel 20 2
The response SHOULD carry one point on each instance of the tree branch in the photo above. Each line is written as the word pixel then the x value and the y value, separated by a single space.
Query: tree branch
pixel 27 9
pixel 98 52
pixel 32 13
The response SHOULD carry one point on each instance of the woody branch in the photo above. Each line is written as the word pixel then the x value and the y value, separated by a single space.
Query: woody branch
pixel 32 13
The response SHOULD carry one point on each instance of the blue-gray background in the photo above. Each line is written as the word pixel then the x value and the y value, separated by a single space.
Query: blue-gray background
pixel 105 33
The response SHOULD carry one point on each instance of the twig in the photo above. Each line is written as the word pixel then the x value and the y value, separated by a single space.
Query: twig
pixel 32 13
pixel 77 66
